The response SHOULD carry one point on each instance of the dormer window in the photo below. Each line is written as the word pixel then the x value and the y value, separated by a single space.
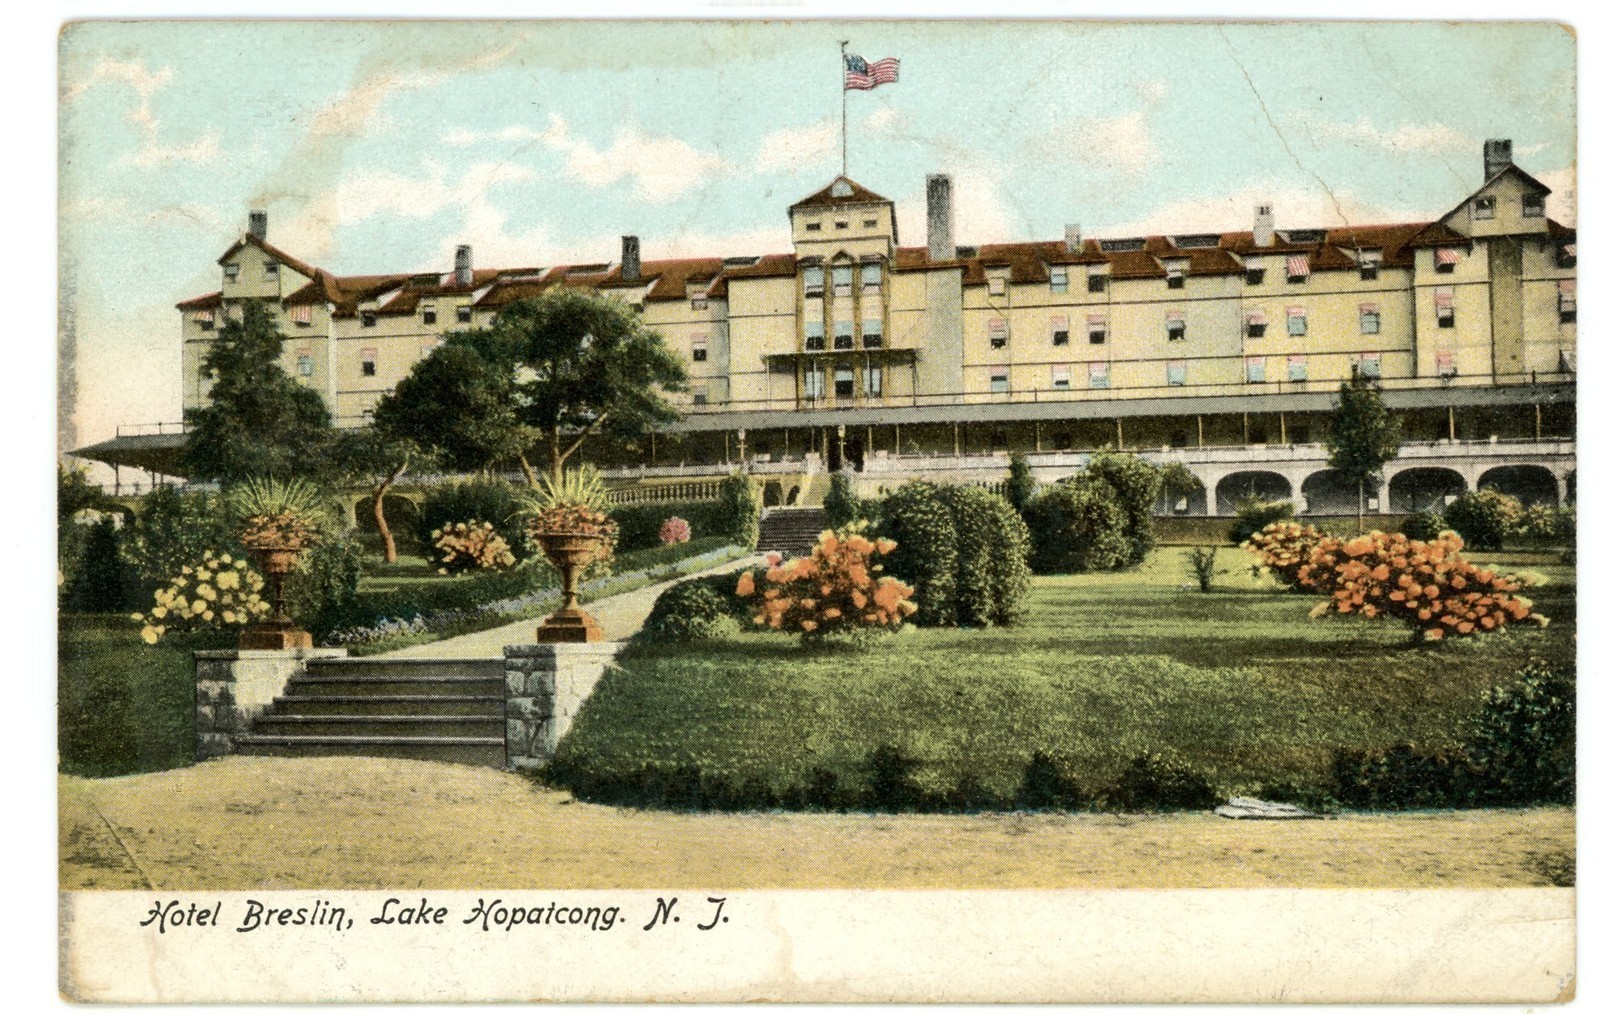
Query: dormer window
pixel 997 285
pixel 813 281
pixel 463 315
pixel 1175 274
pixel 430 313
pixel 1483 208
pixel 698 300
pixel 1532 205
pixel 369 318
pixel 270 269
pixel 1368 260
pixel 1058 278
pixel 230 272
pixel 1255 270
pixel 1297 269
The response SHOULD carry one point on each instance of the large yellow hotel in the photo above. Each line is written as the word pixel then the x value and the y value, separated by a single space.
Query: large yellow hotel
pixel 1223 350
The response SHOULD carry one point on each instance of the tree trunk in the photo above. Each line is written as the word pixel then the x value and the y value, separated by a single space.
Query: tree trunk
pixel 1361 505
pixel 557 459
pixel 527 469
pixel 389 553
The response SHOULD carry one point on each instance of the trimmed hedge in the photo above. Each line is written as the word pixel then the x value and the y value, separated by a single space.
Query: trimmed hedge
pixel 694 609
pixel 1484 519
pixel 964 550
pixel 639 525
pixel 740 505
pixel 1424 526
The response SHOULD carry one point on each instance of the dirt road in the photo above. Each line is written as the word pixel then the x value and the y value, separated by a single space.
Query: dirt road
pixel 259 822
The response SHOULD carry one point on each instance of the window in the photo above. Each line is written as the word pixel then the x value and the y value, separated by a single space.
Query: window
pixel 1297 269
pixel 1058 330
pixel 1097 278
pixel 206 319
pixel 463 315
pixel 698 301
pixel 1370 365
pixel 1297 321
pixel 702 396
pixel 1255 370
pixel 302 365
pixel 1175 273
pixel 844 382
pixel 369 362
pixel 1097 329
pixel 813 227
pixel 1567 300
pixel 1445 364
pixel 872 379
pixel 815 340
pixel 301 315
pixel 697 348
pixel 1368 259
pixel 1175 326
pixel 1255 270
pixel 230 272
pixel 841 280
pixel 813 281
pixel 1483 207
pixel 872 334
pixel 1099 375
pixel 1532 205
pixel 869 223
pixel 1177 373
pixel 269 269
pixel 1369 318
pixel 369 318
pixel 1444 307
pixel 999 381
pixel 1297 367
pixel 999 333
pixel 813 378
pixel 1567 255
pixel 430 313
pixel 871 277
pixel 841 224
pixel 997 285
pixel 844 333
pixel 1061 377
pixel 1444 261
pixel 1255 323
pixel 1058 279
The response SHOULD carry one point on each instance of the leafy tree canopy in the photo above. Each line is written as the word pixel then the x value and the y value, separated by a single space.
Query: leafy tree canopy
pixel 1363 435
pixel 259 421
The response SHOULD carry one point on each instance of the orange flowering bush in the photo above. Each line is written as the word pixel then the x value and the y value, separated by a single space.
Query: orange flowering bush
pixel 470 545
pixel 838 588
pixel 1426 584
pixel 1284 548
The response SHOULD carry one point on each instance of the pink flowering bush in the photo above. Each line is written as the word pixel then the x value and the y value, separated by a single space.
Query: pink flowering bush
pixel 673 530
pixel 839 588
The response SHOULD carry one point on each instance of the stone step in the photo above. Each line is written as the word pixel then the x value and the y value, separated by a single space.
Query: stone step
pixel 480 668
pixel 415 684
pixel 471 705
pixel 487 751
pixel 381 726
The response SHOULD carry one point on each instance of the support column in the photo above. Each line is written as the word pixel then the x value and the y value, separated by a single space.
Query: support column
pixel 1200 430
pixel 1450 411
pixel 1038 444
pixel 1283 430
pixel 546 684
pixel 897 440
pixel 1538 421
pixel 1119 433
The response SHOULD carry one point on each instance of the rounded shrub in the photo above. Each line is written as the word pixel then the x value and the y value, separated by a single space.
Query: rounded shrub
pixel 926 550
pixel 1047 784
pixel 693 610
pixel 1523 740
pixel 964 550
pixel 1423 526
pixel 1076 526
pixel 1402 777
pixel 1155 782
pixel 483 499
pixel 1254 514
pixel 1484 519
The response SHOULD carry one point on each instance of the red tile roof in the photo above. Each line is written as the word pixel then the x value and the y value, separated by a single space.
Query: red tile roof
pixel 209 301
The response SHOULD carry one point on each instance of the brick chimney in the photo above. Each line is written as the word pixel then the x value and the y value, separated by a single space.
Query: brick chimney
pixel 630 258
pixel 1074 238
pixel 463 275
pixel 258 224
pixel 941 242
pixel 1264 229
pixel 1496 157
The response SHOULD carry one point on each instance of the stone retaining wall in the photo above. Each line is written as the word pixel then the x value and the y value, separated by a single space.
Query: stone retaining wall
pixel 546 684
pixel 231 688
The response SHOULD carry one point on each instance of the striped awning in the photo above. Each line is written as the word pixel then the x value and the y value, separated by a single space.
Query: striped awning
pixel 1058 323
pixel 1571 250
pixel 1297 311
pixel 1255 317
pixel 1567 286
pixel 1369 307
pixel 1299 266
pixel 1174 315
pixel 1444 297
pixel 997 323
pixel 1097 318
pixel 300 314
pixel 1445 360
pixel 206 315
pixel 1445 255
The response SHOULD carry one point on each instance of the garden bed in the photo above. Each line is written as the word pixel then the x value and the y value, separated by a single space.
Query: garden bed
pixel 1237 685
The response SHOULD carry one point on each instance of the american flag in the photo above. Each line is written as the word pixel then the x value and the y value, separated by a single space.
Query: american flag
pixel 858 73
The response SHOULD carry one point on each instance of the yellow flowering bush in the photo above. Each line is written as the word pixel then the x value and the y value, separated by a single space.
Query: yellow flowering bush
pixel 1283 547
pixel 838 588
pixel 220 591
pixel 470 545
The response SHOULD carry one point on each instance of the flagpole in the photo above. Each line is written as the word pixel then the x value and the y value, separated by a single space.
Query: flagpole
pixel 844 115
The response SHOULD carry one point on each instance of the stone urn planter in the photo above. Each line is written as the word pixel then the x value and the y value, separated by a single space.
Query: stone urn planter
pixel 277 632
pixel 570 554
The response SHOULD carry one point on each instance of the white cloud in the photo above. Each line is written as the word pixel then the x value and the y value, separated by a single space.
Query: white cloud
pixel 461 137
pixel 153 152
pixel 1152 91
pixel 660 167
pixel 1294 206
pixel 1404 138
pixel 1121 146
pixel 1562 204
pixel 793 148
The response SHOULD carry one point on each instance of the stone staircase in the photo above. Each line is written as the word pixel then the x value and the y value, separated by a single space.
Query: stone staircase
pixel 790 530
pixel 413 708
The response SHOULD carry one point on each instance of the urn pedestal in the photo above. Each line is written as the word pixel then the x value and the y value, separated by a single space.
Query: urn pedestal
pixel 277 632
pixel 569 554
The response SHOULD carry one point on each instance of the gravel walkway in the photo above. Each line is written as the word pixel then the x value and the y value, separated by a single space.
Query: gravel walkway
pixel 620 616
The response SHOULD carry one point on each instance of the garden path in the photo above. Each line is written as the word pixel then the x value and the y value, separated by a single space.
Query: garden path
pixel 620 616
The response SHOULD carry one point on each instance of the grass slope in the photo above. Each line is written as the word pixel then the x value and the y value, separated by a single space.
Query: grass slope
pixel 1238 682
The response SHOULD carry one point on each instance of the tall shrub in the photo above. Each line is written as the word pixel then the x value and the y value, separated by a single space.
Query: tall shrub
pixel 841 505
pixel 1020 484
pixel 1078 525
pixel 1138 486
pixel 1484 519
pixel 968 547
pixel 172 530
pixel 321 593
pixel 102 583
pixel 740 509
pixel 927 549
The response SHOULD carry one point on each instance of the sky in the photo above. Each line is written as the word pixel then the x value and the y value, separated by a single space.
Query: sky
pixel 378 147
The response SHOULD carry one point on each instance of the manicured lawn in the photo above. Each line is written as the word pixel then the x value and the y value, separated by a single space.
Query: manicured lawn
pixel 1238 682
pixel 122 706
